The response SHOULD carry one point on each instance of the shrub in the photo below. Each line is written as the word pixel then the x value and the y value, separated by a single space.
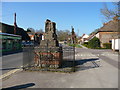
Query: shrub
pixel 107 45
pixel 85 44
pixel 94 43
pixel 73 45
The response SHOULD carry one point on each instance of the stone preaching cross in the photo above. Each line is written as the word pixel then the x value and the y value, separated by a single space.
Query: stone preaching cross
pixel 49 52
pixel 50 36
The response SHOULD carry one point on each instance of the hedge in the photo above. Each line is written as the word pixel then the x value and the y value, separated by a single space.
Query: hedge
pixel 107 45
pixel 94 43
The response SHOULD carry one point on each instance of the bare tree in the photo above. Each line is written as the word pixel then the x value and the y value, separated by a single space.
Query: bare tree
pixel 31 30
pixel 39 31
pixel 63 34
pixel 110 13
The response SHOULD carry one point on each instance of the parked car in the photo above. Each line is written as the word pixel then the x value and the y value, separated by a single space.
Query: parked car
pixel 28 43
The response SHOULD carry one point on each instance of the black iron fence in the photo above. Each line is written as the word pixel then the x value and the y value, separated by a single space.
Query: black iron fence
pixel 28 56
pixel 49 59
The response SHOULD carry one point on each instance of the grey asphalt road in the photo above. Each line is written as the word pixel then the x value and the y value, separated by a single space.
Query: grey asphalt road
pixel 105 54
pixel 11 61
pixel 15 61
pixel 105 76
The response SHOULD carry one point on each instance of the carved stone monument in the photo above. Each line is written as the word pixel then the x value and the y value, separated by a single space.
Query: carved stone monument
pixel 49 51
pixel 50 36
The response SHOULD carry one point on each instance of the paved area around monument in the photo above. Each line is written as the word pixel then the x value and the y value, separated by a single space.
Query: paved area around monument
pixel 91 76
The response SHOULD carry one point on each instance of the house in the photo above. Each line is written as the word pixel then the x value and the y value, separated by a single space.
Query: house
pixel 31 35
pixel 91 37
pixel 84 38
pixel 79 39
pixel 109 31
pixel 5 28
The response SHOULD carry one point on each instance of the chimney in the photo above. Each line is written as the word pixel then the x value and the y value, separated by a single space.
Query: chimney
pixel 15 25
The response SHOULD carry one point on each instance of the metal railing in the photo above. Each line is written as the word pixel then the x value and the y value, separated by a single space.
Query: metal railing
pixel 49 59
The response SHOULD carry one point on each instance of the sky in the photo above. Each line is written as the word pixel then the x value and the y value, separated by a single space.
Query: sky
pixel 85 17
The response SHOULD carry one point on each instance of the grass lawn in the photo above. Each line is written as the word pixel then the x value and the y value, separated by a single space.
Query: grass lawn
pixel 94 48
pixel 74 45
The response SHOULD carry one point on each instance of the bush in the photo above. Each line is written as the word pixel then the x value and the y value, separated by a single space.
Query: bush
pixel 94 43
pixel 73 45
pixel 107 45
pixel 85 44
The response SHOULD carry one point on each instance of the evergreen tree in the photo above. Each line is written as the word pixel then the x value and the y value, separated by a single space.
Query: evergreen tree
pixel 94 43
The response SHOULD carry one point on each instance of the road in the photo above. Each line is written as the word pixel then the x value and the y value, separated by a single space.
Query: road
pixel 99 70
pixel 105 54
pixel 11 61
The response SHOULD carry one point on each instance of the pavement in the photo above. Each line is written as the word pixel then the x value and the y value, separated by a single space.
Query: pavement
pixel 99 70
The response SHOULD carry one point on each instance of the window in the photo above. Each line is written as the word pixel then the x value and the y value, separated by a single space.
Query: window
pixel 4 44
pixel 110 41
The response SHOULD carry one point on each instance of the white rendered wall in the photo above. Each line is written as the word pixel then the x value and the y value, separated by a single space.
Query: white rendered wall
pixel 97 35
pixel 85 36
pixel 116 44
pixel 42 37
